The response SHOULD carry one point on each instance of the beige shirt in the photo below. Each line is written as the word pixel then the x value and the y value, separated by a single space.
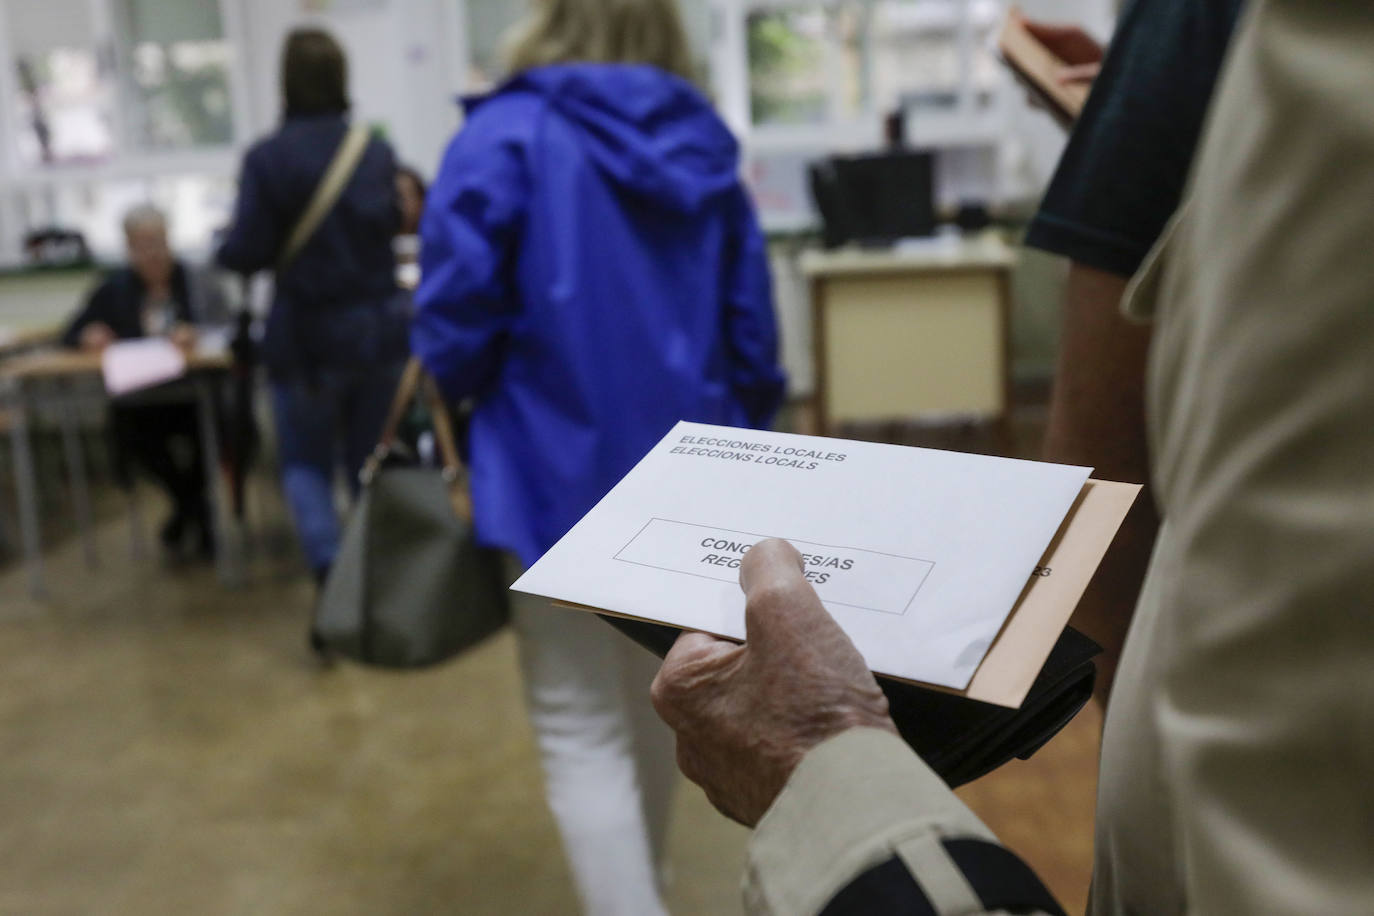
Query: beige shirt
pixel 1238 753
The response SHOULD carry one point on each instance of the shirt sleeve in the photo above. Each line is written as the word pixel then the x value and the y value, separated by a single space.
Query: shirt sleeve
pixel 864 826
pixel 464 307
pixel 255 235
pixel 1123 171
pixel 97 306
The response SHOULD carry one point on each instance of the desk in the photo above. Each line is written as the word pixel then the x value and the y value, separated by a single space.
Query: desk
pixel 37 302
pixel 16 382
pixel 905 332
pixel 15 340
pixel 70 363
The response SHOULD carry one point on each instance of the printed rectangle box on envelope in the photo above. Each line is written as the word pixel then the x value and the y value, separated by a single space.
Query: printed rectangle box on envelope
pixel 888 586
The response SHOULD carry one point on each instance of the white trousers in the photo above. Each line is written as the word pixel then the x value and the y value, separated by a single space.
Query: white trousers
pixel 609 762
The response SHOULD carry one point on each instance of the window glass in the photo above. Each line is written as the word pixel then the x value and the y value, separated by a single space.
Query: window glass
pixel 178 78
pixel 805 63
pixel 986 71
pixel 64 86
pixel 825 62
pixel 916 58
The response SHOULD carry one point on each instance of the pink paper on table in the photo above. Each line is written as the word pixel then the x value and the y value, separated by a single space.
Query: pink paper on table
pixel 132 365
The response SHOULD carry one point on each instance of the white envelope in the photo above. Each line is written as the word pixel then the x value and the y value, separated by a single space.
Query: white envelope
pixel 132 365
pixel 919 554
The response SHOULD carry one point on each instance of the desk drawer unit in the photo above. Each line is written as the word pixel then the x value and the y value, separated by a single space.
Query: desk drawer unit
pixel 900 345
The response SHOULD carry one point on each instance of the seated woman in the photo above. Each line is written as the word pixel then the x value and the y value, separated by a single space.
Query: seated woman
pixel 156 295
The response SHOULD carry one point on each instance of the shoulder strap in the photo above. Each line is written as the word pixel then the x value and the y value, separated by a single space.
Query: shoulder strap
pixel 406 390
pixel 414 381
pixel 454 472
pixel 327 192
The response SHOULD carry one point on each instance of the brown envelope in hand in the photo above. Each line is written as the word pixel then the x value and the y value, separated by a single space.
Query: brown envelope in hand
pixel 1037 67
pixel 1043 610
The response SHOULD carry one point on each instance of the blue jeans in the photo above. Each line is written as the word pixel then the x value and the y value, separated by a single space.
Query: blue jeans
pixel 335 416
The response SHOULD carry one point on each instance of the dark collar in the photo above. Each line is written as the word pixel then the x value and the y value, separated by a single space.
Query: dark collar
pixel 181 287
pixel 293 115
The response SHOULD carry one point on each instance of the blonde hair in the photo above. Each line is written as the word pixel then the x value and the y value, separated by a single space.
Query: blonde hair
pixel 602 31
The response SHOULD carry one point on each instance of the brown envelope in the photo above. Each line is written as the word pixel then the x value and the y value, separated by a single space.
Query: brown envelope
pixel 1043 610
pixel 1037 67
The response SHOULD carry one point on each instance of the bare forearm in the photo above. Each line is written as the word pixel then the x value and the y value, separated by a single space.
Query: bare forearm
pixel 1097 418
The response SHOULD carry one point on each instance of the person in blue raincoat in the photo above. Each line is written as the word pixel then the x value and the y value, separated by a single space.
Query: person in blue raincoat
pixel 592 273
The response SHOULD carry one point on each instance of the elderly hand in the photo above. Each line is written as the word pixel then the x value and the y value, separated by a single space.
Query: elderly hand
pixel 184 336
pixel 1080 52
pixel 745 715
pixel 96 336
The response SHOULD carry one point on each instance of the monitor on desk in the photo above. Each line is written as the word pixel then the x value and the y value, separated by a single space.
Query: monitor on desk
pixel 876 198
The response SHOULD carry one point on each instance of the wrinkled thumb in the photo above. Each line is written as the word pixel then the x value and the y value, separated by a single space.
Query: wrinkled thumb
pixel 673 689
pixel 780 606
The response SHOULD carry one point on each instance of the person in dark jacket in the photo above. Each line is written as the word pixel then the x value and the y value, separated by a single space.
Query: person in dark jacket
pixel 591 273
pixel 156 295
pixel 335 337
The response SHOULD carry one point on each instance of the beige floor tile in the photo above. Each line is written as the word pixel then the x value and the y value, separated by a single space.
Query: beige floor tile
pixel 167 747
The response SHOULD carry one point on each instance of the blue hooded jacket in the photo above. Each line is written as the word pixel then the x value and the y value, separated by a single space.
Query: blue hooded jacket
pixel 592 273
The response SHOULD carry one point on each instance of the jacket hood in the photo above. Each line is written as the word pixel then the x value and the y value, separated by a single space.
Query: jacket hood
pixel 647 131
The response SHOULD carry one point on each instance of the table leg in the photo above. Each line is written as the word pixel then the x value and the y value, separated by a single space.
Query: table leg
pixel 228 561
pixel 138 549
pixel 76 468
pixel 26 489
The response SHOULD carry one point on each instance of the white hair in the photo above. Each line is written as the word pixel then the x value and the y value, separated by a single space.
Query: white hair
pixel 144 216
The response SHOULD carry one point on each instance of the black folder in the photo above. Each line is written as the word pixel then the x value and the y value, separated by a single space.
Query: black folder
pixel 961 739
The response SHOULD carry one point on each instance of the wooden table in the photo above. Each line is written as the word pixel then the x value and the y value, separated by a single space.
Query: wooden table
pixel 71 363
pixel 14 340
pixel 18 385
pixel 904 333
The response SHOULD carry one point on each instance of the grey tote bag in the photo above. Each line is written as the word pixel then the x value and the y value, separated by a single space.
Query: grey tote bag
pixel 410 586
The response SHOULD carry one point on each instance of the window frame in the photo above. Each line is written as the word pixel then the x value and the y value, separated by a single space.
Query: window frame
pixel 26 188
pixel 965 127
pixel 730 81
